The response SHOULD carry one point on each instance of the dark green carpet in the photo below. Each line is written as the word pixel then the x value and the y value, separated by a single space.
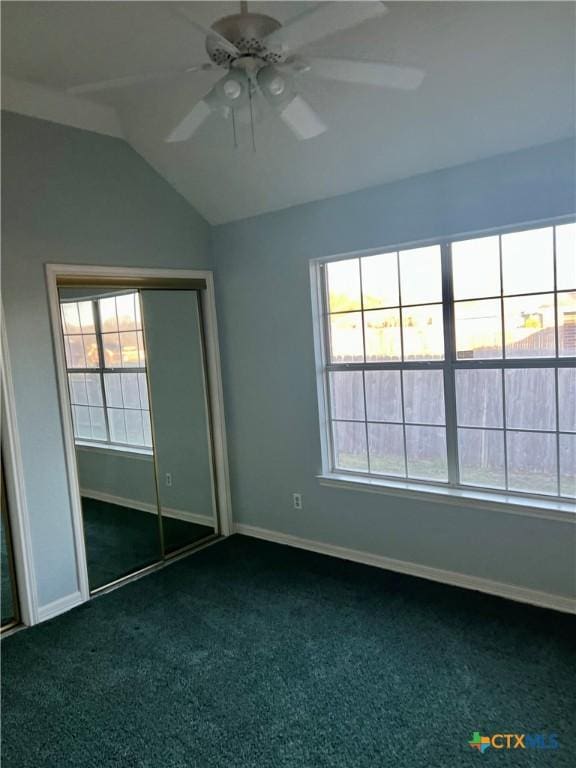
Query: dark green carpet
pixel 249 654
pixel 120 540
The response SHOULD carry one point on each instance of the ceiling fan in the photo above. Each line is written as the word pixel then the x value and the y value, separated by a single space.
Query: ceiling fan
pixel 258 56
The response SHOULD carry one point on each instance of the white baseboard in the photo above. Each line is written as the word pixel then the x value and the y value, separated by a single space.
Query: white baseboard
pixel 510 591
pixel 143 506
pixel 59 606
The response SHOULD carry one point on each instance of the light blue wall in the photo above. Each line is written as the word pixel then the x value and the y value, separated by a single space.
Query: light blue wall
pixel 263 289
pixel 71 196
pixel 128 476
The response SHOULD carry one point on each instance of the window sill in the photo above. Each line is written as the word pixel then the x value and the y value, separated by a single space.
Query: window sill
pixel 563 511
pixel 144 454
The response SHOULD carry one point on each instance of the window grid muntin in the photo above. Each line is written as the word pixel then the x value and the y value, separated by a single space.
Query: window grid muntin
pixel 503 296
pixel 399 307
pixel 520 364
pixel 363 314
pixel 364 372
pixel 490 430
pixel 556 376
pixel 367 421
pixel 450 420
pixel 451 363
pixel 101 370
pixel 402 359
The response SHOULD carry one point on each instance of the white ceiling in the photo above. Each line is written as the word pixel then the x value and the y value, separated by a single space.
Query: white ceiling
pixel 499 77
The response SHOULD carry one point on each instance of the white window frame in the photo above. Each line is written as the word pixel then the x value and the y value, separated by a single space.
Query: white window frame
pixel 558 507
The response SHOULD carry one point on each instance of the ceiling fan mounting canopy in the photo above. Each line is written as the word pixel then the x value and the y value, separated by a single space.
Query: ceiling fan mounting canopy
pixel 247 32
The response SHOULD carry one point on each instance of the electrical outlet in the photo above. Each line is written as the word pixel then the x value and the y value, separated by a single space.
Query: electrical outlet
pixel 168 479
pixel 297 500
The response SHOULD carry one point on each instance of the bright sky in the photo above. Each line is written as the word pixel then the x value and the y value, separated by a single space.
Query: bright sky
pixel 527 267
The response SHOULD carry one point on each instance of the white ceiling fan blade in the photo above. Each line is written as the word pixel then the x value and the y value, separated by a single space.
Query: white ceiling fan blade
pixel 206 31
pixel 190 123
pixel 367 73
pixel 123 82
pixel 327 19
pixel 302 119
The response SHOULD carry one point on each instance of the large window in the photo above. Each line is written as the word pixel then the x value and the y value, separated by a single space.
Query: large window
pixel 107 371
pixel 455 363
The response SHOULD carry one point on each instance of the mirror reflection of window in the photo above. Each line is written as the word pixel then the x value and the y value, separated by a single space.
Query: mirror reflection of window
pixel 106 366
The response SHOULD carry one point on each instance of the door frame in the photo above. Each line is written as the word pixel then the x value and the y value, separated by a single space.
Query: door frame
pixel 214 389
pixel 18 513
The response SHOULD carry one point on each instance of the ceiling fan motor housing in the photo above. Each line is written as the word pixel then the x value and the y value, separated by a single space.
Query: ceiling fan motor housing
pixel 247 32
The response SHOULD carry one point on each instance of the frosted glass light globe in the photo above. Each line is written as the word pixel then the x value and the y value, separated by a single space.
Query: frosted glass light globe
pixel 232 89
pixel 277 86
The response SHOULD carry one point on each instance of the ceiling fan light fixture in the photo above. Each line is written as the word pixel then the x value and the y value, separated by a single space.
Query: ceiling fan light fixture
pixel 276 86
pixel 278 90
pixel 233 89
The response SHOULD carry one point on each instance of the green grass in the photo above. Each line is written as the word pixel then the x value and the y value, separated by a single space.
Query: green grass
pixel 531 482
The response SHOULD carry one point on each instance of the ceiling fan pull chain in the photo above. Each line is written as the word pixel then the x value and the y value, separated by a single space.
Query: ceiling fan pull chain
pixel 234 129
pixel 252 117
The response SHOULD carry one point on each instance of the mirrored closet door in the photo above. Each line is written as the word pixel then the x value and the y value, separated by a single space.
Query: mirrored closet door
pixel 136 375
pixel 10 615
pixel 180 418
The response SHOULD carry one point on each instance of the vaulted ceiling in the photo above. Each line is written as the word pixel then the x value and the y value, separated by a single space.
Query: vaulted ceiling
pixel 499 77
